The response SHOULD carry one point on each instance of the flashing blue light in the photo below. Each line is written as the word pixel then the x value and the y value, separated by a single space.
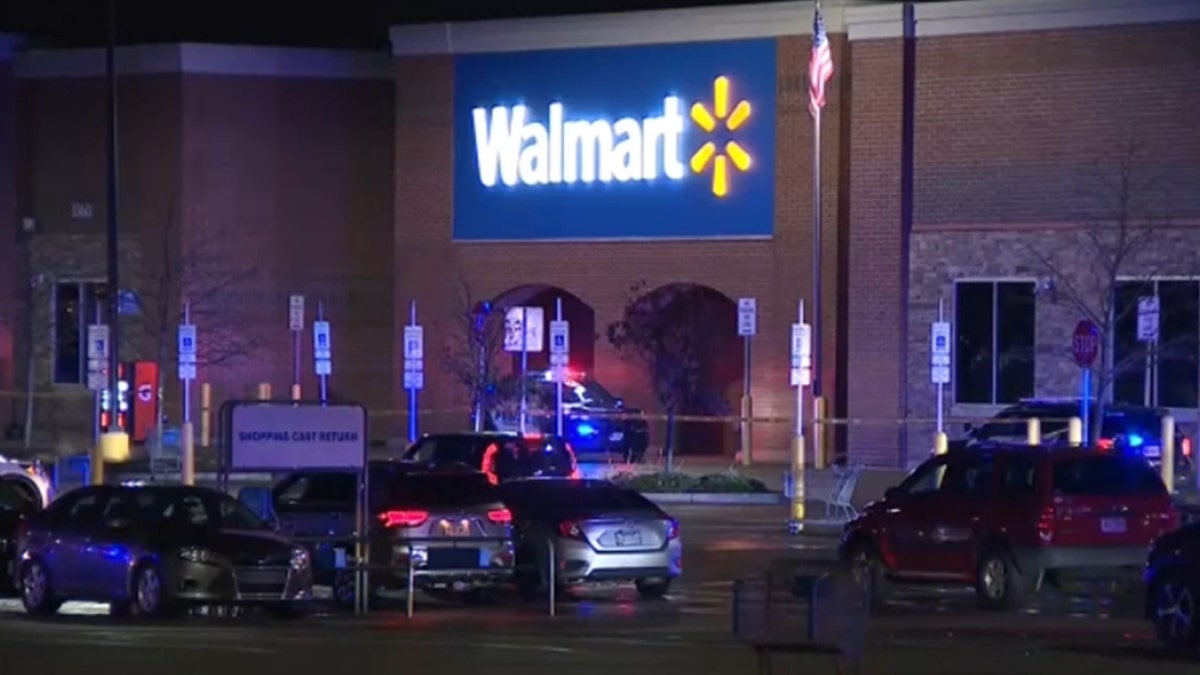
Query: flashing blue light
pixel 1135 441
pixel 586 429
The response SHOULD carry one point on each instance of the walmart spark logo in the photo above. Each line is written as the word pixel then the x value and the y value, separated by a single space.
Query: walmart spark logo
pixel 733 152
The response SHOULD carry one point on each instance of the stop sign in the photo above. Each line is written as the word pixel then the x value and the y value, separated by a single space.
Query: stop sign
pixel 1085 344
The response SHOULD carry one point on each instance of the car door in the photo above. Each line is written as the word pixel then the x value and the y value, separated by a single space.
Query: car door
pixel 966 504
pixel 110 550
pixel 911 515
pixel 72 535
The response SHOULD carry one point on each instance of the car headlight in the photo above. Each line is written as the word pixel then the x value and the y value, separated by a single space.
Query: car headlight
pixel 299 559
pixel 196 554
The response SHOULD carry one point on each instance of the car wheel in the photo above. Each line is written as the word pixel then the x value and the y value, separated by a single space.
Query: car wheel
pixel 652 589
pixel 149 593
pixel 866 569
pixel 37 593
pixel 999 584
pixel 1175 615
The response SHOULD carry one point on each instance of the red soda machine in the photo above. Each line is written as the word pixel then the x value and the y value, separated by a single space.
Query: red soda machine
pixel 137 409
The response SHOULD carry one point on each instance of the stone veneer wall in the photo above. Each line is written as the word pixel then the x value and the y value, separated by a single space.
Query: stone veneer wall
pixel 939 258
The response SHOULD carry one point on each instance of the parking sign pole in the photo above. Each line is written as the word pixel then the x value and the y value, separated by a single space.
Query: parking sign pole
pixel 558 379
pixel 524 365
pixel 413 427
pixel 801 374
pixel 941 387
pixel 324 379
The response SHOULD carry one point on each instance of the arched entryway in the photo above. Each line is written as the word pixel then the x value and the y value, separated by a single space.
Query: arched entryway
pixel 542 300
pixel 686 336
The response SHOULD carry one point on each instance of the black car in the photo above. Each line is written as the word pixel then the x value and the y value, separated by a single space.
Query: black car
pixel 1172 583
pixel 594 420
pixel 16 505
pixel 155 550
pixel 448 523
pixel 502 456
pixel 1132 430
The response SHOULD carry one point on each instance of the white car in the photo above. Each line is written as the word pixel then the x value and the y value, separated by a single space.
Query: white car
pixel 29 478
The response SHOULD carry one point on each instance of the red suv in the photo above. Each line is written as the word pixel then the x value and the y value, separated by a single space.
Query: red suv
pixel 1008 520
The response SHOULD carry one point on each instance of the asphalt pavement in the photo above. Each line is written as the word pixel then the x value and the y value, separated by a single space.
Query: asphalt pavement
pixel 602 631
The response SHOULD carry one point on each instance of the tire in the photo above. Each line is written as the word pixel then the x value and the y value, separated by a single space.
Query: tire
pixel 1173 606
pixel 149 593
pixel 37 591
pixel 652 589
pixel 999 583
pixel 866 567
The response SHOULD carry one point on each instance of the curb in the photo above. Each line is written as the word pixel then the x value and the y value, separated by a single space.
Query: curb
pixel 716 498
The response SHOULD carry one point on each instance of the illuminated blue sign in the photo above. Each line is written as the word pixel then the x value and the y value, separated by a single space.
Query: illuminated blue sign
pixel 663 141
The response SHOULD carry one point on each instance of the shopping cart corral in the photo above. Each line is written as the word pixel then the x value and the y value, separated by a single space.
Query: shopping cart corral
pixel 802 614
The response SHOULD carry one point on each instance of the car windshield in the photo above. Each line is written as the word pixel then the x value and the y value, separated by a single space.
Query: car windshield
pixel 201 510
pixel 1106 476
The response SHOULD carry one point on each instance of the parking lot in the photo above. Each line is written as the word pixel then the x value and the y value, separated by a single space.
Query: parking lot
pixel 602 630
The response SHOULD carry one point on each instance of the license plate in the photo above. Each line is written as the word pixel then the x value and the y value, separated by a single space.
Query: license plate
pixel 1152 451
pixel 1112 525
pixel 629 538
pixel 617 436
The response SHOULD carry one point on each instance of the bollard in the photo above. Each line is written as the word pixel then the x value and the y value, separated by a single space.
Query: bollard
pixel 96 463
pixel 205 413
pixel 264 391
pixel 747 429
pixel 187 469
pixel 295 392
pixel 818 434
pixel 1033 431
pixel 797 506
pixel 1168 453
pixel 1075 432
pixel 941 443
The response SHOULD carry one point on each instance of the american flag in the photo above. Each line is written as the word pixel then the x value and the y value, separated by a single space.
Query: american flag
pixel 820 65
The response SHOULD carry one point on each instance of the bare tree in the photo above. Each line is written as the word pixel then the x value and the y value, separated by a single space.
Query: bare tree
pixel 669 332
pixel 1120 249
pixel 472 349
pixel 194 274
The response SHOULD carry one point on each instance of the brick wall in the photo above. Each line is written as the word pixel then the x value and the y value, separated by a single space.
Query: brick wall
pixel 777 272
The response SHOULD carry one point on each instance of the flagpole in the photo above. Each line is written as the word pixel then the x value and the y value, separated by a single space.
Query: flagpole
pixel 817 354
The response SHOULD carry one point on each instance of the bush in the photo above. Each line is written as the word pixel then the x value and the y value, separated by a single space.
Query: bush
pixel 680 482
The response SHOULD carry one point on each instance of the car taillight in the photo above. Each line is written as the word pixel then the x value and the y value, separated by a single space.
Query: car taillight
pixel 570 529
pixel 500 516
pixel 1185 446
pixel 672 528
pixel 403 518
pixel 1105 444
pixel 1045 525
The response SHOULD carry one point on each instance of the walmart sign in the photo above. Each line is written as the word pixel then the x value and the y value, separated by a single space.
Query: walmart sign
pixel 665 141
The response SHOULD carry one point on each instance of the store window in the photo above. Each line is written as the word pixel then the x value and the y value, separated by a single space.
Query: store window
pixel 75 306
pixel 994 325
pixel 1174 365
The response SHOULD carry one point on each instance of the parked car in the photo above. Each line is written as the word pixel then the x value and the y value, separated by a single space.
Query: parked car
pixel 29 478
pixel 594 420
pixel 1007 521
pixel 1132 430
pixel 502 456
pixel 1172 583
pixel 155 550
pixel 601 532
pixel 16 505
pixel 416 511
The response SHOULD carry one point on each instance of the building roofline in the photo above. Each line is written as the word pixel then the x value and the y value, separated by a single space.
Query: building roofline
pixel 211 59
pixel 861 19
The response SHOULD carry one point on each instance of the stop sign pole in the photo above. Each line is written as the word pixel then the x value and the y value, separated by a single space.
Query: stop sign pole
pixel 1085 347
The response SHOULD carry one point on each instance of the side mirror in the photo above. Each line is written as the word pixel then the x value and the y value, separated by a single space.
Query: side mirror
pixel 893 493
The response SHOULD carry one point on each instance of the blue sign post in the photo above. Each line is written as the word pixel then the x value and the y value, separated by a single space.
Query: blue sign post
pixel 641 142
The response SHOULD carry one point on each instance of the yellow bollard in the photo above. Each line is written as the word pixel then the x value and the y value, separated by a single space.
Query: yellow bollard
pixel 264 391
pixel 113 447
pixel 96 463
pixel 747 429
pixel 1168 453
pixel 941 443
pixel 1075 432
pixel 205 413
pixel 1033 431
pixel 187 469
pixel 295 392
pixel 818 432
pixel 798 479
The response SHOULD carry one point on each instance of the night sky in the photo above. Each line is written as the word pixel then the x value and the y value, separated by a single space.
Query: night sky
pixel 315 23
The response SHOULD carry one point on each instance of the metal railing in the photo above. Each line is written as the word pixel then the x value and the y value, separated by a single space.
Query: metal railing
pixel 360 564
